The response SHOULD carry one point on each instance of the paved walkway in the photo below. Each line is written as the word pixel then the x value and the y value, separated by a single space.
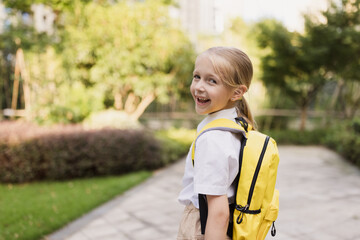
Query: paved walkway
pixel 319 199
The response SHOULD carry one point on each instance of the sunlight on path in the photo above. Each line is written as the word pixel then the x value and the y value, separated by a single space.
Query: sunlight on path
pixel 319 195
pixel 319 199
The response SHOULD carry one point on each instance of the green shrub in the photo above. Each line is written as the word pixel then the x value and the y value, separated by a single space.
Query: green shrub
pixel 78 153
pixel 32 153
pixel 110 118
pixel 175 142
pixel 70 103
pixel 313 137
pixel 344 138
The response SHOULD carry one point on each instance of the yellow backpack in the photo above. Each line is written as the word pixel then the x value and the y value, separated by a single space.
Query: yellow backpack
pixel 257 201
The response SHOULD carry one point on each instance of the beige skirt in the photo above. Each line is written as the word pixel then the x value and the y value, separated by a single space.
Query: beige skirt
pixel 190 226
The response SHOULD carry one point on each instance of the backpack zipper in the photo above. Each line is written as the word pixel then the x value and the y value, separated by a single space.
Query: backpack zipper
pixel 257 170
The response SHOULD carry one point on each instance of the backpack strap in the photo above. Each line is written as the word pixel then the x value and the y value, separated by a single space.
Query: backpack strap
pixel 218 124
pixel 223 124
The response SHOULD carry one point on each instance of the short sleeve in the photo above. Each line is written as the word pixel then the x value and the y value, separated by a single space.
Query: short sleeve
pixel 216 162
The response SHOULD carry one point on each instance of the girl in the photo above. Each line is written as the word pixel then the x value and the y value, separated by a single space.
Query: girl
pixel 221 77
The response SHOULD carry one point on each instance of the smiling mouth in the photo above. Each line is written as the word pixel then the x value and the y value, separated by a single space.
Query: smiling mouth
pixel 202 100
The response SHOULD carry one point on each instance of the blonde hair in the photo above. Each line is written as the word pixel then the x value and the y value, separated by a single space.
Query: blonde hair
pixel 234 68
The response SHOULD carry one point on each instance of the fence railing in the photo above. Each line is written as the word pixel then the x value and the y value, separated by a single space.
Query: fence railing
pixel 262 112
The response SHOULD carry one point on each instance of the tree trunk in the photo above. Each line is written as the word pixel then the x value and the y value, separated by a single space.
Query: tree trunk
pixel 20 70
pixel 118 104
pixel 130 103
pixel 354 108
pixel 15 93
pixel 7 91
pixel 145 102
pixel 336 94
pixel 2 80
pixel 354 99
pixel 304 114
pixel 26 85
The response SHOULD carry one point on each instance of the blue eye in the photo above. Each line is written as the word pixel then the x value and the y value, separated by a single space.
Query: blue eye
pixel 212 81
pixel 197 76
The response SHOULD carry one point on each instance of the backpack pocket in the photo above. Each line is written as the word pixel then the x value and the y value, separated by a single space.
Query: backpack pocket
pixel 269 217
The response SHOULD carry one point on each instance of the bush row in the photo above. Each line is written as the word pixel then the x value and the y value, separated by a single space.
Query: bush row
pixel 175 142
pixel 313 137
pixel 343 137
pixel 77 153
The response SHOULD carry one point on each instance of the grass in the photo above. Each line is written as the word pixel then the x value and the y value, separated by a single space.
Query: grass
pixel 31 211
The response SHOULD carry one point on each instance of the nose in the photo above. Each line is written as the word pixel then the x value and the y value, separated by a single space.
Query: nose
pixel 199 86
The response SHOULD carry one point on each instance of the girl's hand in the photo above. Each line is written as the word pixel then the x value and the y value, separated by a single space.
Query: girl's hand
pixel 218 217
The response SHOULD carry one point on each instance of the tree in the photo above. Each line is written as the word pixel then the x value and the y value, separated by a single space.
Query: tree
pixel 126 54
pixel 337 37
pixel 16 36
pixel 43 63
pixel 133 51
pixel 58 6
pixel 290 64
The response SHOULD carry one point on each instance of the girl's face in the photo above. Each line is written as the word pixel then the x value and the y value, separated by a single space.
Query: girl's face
pixel 209 92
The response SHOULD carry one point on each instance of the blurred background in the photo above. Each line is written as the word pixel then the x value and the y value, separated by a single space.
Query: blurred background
pixel 69 61
pixel 93 88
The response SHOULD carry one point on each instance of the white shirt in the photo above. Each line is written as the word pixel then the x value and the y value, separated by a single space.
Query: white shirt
pixel 216 162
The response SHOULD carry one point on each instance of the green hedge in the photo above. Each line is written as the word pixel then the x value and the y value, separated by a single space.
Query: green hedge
pixel 175 142
pixel 313 137
pixel 71 152
pixel 342 137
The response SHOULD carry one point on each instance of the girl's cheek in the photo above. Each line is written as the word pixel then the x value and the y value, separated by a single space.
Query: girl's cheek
pixel 192 87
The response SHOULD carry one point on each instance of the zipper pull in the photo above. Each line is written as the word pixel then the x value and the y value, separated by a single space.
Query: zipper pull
pixel 273 229
pixel 242 212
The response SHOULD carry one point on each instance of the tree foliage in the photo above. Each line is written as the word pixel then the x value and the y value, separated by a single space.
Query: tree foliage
pixel 56 5
pixel 301 64
pixel 289 64
pixel 132 51
pixel 122 55
pixel 337 39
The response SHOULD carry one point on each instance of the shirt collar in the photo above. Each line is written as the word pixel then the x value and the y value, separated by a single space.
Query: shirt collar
pixel 229 113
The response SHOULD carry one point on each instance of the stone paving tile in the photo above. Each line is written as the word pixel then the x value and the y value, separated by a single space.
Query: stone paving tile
pixel 118 236
pixel 116 217
pixel 148 233
pixel 317 195
pixel 78 236
pixel 99 232
pixel 319 199
pixel 98 223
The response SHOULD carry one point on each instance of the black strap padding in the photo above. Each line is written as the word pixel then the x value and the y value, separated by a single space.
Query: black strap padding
pixel 242 122
pixel 203 207
pixel 231 220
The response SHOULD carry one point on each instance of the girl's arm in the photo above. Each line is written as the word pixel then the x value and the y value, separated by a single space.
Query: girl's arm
pixel 218 217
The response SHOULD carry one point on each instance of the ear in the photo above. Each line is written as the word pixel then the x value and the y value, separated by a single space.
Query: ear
pixel 239 92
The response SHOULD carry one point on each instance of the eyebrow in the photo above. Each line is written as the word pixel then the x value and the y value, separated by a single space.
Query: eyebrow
pixel 214 76
pixel 208 75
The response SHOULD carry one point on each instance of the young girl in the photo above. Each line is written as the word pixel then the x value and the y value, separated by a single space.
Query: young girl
pixel 221 77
